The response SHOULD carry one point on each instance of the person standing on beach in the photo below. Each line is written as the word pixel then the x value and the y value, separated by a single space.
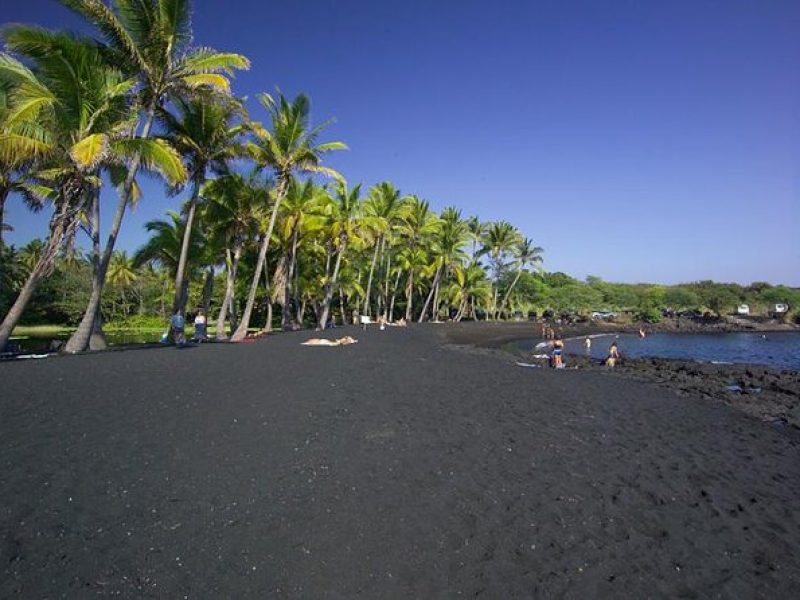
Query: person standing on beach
pixel 558 351
pixel 200 327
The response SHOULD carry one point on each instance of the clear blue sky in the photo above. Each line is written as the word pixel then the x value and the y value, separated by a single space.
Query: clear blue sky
pixel 633 140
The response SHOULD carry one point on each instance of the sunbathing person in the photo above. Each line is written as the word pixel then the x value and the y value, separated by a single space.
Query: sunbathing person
pixel 344 341
pixel 399 323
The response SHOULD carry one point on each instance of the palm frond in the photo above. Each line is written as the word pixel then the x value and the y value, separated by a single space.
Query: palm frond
pixel 100 15
pixel 15 147
pixel 155 155
pixel 206 60
pixel 214 81
pixel 331 146
pixel 89 151
pixel 174 22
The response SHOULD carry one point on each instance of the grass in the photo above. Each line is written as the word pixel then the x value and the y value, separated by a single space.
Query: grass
pixel 41 330
pixel 52 330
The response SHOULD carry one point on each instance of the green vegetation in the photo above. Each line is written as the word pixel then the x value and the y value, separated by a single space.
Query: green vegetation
pixel 269 235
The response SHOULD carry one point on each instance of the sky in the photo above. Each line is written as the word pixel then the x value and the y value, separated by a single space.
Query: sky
pixel 634 140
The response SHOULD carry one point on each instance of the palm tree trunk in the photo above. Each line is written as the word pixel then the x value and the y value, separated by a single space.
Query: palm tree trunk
pixel 394 295
pixel 179 303
pixel 268 301
pixel 80 339
pixel 409 294
pixel 60 224
pixel 3 197
pixel 326 302
pixel 462 305
pixel 288 287
pixel 97 339
pixel 342 306
pixel 208 289
pixel 230 282
pixel 241 331
pixel 387 276
pixel 367 311
pixel 430 295
pixel 511 287
pixel 435 314
pixel 15 312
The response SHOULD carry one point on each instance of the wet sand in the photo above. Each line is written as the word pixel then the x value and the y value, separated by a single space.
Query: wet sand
pixel 401 466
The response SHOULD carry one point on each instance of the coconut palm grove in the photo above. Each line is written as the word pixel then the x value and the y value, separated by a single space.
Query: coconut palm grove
pixel 269 236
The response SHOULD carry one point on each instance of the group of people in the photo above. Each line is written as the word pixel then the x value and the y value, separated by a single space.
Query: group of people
pixel 383 322
pixel 177 325
pixel 557 353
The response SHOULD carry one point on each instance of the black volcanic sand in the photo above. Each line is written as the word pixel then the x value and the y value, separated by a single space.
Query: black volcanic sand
pixel 393 468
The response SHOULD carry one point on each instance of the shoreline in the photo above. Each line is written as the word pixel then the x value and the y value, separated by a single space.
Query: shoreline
pixel 770 395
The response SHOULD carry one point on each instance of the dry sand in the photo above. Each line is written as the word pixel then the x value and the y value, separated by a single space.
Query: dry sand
pixel 396 467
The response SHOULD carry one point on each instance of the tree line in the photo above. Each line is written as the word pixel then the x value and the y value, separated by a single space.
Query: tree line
pixel 269 233
pixel 79 112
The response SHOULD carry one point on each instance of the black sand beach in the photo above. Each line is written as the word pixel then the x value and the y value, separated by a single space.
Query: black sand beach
pixel 397 467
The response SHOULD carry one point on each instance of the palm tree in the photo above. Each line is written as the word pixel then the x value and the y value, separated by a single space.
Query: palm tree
pixel 163 248
pixel 383 212
pixel 121 271
pixel 30 254
pixel 72 111
pixel 343 212
pixel 417 225
pixel 149 40
pixel 476 230
pixel 470 284
pixel 499 239
pixel 122 275
pixel 349 285
pixel 300 217
pixel 204 134
pixel 232 210
pixel 290 147
pixel 525 254
pixel 447 249
pixel 14 173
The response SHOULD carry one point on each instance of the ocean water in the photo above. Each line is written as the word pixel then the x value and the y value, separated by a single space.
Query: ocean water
pixel 777 350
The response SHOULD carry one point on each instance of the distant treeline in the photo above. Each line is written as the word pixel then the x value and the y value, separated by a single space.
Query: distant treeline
pixel 142 293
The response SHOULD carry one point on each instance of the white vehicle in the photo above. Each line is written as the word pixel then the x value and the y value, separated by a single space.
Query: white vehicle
pixel 743 309
pixel 604 314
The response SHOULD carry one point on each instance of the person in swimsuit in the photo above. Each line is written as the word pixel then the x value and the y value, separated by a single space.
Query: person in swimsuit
pixel 558 351
pixel 613 355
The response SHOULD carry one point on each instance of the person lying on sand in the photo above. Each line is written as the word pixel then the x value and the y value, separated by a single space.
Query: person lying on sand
pixel 399 323
pixel 344 341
